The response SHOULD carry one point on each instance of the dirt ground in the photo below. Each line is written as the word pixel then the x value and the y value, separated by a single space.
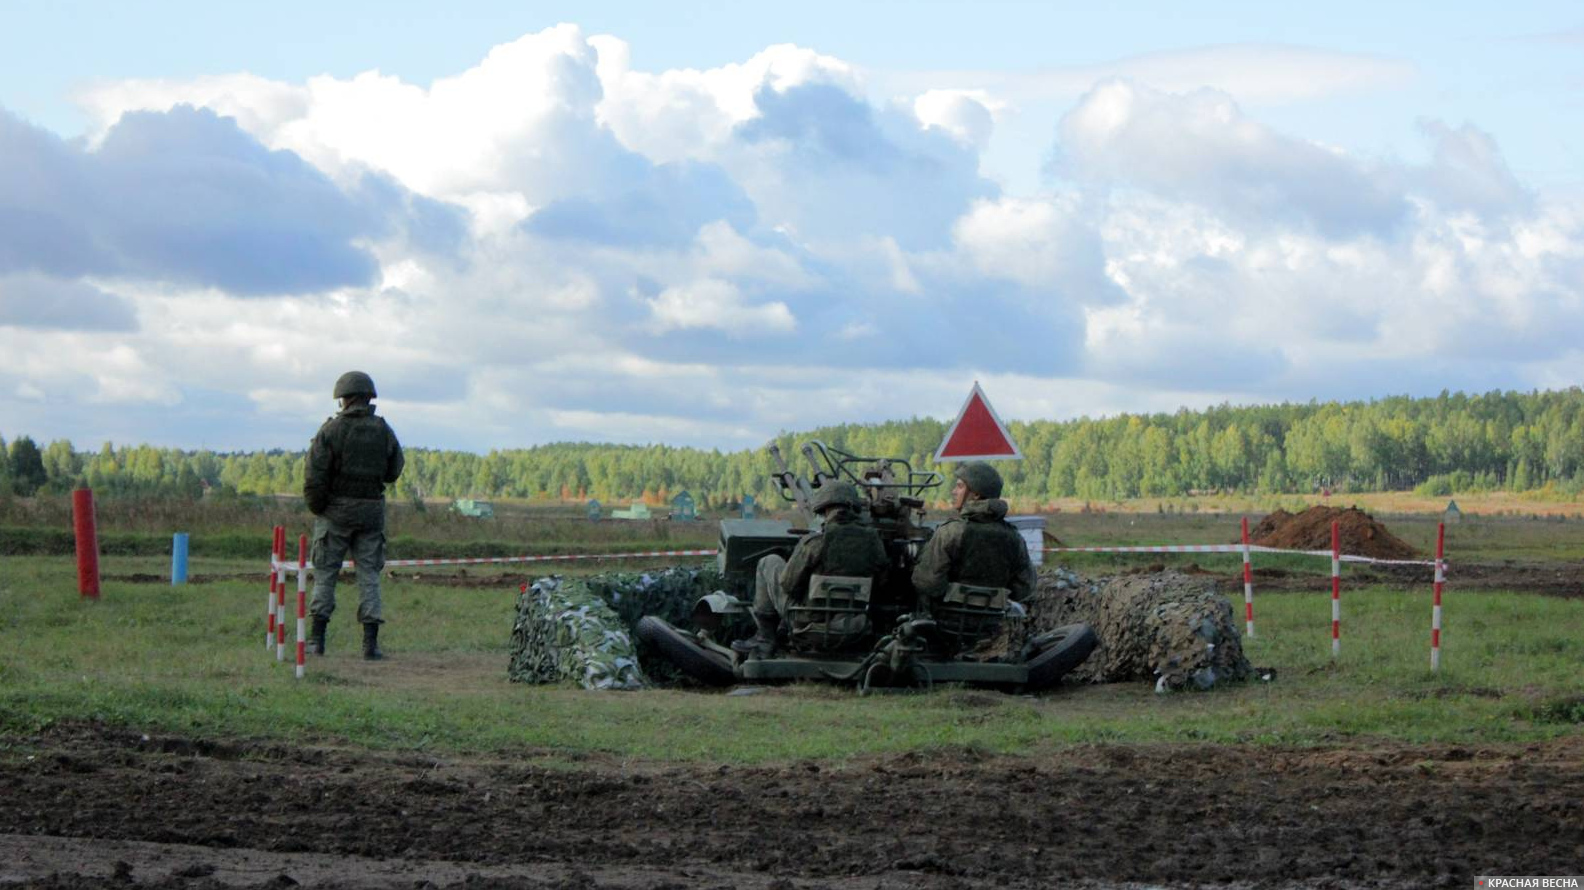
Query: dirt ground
pixel 86 806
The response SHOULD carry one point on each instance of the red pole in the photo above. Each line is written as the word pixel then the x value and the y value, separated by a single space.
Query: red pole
pixel 87 543
pixel 1336 589
pixel 1435 611
pixel 1248 583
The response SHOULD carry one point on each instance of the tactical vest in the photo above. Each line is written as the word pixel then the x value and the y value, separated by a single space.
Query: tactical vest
pixel 989 554
pixel 359 445
pixel 851 549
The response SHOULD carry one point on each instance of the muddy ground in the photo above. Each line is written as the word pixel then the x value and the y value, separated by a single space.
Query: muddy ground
pixel 87 806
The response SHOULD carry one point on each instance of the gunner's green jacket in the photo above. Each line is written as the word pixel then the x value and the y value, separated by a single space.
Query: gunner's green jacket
pixel 978 546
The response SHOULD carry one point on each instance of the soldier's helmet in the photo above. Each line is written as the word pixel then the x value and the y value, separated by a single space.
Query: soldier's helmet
pixel 835 494
pixel 354 383
pixel 981 478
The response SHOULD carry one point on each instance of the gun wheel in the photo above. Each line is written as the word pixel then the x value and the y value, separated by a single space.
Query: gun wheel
pixel 693 660
pixel 1057 652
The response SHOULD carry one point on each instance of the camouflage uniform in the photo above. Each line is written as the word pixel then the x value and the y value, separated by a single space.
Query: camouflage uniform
pixel 351 460
pixel 845 546
pixel 976 547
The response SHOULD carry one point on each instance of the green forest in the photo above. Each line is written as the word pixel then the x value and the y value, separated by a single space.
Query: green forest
pixel 1448 444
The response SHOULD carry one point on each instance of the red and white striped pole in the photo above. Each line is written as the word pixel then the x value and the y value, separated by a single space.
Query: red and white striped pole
pixel 277 537
pixel 302 603
pixel 280 596
pixel 1248 583
pixel 1336 589
pixel 1435 611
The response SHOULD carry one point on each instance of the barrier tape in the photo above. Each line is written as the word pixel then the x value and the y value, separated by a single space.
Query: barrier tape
pixel 482 560
pixel 1162 548
pixel 275 602
pixel 1238 548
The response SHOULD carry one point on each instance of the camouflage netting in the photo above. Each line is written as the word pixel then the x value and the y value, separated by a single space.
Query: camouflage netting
pixel 1166 627
pixel 565 632
pixel 617 600
pixel 666 593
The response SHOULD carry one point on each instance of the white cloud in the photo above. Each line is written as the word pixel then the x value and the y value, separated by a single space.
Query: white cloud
pixel 690 113
pixel 30 300
pixel 719 305
pixel 968 115
pixel 1202 147
pixel 1045 243
pixel 707 256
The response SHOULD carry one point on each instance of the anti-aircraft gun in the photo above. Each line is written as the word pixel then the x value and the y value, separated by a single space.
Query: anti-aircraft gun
pixel 903 644
pixel 893 502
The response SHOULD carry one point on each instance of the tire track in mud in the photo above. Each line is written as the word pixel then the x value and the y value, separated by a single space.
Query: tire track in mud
pixel 1097 815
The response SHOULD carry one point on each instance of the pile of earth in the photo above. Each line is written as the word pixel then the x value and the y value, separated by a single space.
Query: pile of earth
pixel 1361 534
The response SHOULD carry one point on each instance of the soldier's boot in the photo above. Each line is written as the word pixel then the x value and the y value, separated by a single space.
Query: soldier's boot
pixel 371 649
pixel 762 643
pixel 316 638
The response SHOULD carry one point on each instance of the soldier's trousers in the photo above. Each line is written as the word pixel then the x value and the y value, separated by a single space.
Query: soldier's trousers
pixel 333 540
pixel 768 599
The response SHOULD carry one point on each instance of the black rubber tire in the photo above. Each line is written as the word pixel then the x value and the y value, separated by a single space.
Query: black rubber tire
pixel 1072 644
pixel 693 660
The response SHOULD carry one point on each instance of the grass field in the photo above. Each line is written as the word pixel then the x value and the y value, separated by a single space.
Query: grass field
pixel 191 659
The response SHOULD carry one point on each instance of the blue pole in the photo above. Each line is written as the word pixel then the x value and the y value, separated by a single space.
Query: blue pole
pixel 179 559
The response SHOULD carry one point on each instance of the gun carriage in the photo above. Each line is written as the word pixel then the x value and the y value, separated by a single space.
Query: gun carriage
pixel 873 632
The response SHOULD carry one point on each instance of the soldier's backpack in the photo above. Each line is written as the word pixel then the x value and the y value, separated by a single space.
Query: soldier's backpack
pixel 969 613
pixel 834 617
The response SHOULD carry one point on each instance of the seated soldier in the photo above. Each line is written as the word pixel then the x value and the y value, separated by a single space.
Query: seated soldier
pixel 977 547
pixel 844 546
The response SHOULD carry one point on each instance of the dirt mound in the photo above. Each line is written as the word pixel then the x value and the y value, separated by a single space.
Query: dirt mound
pixel 1311 530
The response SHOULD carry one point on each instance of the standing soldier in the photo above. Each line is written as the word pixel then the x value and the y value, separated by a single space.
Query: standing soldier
pixel 844 546
pixel 351 460
pixel 976 547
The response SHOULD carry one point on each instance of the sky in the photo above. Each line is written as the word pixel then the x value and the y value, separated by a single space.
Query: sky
pixel 702 224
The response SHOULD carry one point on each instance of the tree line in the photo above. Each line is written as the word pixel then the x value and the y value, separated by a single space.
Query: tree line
pixel 1442 445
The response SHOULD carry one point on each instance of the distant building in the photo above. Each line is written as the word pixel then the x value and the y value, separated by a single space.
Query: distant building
pixel 683 507
pixel 639 510
pixel 474 509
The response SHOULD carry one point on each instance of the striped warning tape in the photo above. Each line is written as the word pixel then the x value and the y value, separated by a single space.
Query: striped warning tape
pixel 1235 548
pixel 484 560
pixel 1169 548
pixel 1160 548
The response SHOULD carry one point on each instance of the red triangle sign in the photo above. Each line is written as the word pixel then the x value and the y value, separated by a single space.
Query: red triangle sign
pixel 977 434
